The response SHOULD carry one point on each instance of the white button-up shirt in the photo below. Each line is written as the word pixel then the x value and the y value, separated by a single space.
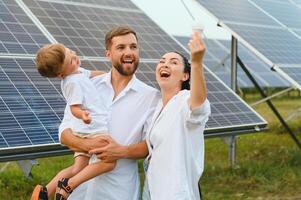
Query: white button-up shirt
pixel 129 116
pixel 176 149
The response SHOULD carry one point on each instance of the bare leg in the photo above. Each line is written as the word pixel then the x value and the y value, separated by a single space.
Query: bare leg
pixel 80 163
pixel 89 172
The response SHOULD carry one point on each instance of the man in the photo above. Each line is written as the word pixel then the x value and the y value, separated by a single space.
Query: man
pixel 131 104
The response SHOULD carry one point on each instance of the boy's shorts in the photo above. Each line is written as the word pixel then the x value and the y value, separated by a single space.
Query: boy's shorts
pixel 84 135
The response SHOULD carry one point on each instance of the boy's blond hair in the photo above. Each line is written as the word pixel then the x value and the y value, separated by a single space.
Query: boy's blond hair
pixel 50 59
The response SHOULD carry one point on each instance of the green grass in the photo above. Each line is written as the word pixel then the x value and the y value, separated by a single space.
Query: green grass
pixel 268 164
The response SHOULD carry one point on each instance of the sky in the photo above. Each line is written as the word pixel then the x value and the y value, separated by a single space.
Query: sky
pixel 173 18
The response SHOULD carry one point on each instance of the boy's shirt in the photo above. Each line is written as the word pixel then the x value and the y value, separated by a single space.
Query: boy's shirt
pixel 78 89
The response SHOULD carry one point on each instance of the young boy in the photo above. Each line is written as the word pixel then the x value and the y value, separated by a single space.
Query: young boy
pixel 90 117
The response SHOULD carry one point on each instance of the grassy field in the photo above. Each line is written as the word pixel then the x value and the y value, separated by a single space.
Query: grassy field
pixel 268 164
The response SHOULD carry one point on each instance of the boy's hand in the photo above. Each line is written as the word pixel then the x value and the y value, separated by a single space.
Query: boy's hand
pixel 86 117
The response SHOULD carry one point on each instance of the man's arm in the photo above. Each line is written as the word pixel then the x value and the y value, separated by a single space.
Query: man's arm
pixel 114 151
pixel 96 73
pixel 81 144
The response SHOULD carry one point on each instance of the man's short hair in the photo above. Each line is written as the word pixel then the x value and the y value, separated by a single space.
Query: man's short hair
pixel 117 31
pixel 50 59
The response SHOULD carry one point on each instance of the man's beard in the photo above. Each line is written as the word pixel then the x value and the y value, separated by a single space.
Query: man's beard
pixel 123 71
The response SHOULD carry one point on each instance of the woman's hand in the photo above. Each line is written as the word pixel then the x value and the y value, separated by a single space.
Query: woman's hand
pixel 198 92
pixel 197 47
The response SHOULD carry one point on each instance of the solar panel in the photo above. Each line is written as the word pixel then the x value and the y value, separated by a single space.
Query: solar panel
pixel 83 28
pixel 298 2
pixel 293 72
pixel 218 60
pixel 112 3
pixel 32 107
pixel 284 11
pixel 268 28
pixel 18 34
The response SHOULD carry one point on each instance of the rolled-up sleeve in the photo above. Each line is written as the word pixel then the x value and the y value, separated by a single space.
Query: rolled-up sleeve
pixel 199 115
pixel 86 72
pixel 65 124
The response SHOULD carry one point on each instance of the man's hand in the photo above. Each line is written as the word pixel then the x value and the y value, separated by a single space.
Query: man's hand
pixel 111 152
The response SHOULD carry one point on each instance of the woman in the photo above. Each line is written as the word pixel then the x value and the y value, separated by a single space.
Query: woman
pixel 175 139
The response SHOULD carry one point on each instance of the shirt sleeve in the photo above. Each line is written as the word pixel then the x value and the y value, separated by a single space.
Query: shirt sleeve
pixel 73 94
pixel 86 72
pixel 66 122
pixel 199 115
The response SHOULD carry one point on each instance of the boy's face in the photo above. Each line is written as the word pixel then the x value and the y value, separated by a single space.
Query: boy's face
pixel 71 63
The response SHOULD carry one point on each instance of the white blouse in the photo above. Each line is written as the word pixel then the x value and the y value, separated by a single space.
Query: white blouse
pixel 176 149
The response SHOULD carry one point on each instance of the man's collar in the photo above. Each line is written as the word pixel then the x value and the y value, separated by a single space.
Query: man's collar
pixel 132 84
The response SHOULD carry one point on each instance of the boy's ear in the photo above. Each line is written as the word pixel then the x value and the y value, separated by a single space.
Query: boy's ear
pixel 60 76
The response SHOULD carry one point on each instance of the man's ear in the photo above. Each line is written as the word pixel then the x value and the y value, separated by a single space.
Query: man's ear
pixel 108 53
pixel 185 77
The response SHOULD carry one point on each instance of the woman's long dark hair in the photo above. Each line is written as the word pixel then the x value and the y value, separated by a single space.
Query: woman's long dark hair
pixel 187 69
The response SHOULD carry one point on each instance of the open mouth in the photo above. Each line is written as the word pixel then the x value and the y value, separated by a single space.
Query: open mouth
pixel 127 61
pixel 164 74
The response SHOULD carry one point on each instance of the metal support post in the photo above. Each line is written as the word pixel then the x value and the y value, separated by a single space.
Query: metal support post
pixel 26 166
pixel 282 121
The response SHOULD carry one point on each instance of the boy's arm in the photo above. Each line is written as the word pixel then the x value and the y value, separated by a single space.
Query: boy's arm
pixel 79 113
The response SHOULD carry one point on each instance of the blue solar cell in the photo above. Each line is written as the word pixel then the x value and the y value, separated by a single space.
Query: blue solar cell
pixel 27 119
pixel 7 89
pixel 15 35
pixel 7 121
pixel 3 143
pixel 245 12
pixel 27 90
pixel 286 12
pixel 48 118
pixel 293 72
pixel 38 104
pixel 36 137
pixel 16 104
pixel 16 137
pixel 53 133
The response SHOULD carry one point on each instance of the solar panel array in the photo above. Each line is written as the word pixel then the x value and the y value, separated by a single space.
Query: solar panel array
pixel 269 28
pixel 218 60
pixel 32 106
pixel 18 34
